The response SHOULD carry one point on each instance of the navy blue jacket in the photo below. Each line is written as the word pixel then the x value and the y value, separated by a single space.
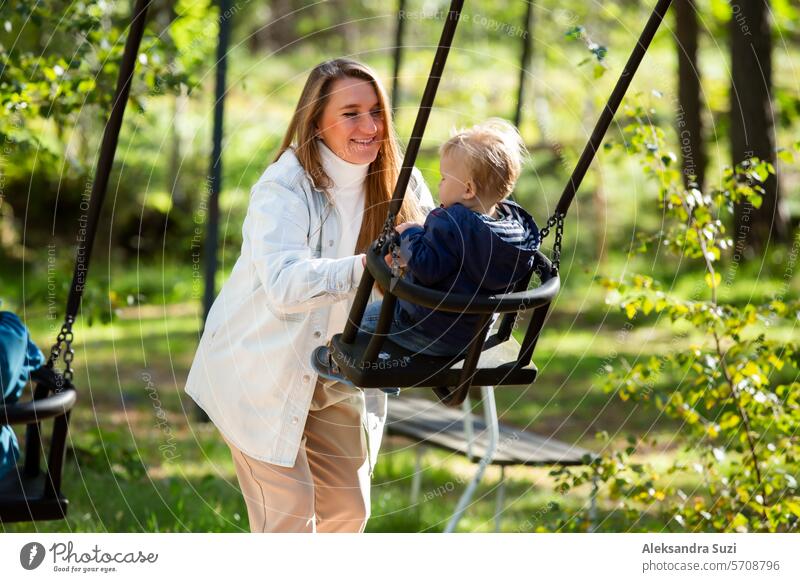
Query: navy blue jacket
pixel 461 251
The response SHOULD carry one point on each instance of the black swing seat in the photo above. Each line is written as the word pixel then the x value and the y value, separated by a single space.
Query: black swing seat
pixel 374 361
pixel 407 368
pixel 29 493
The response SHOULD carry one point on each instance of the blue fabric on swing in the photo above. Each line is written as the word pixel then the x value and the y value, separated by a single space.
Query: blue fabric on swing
pixel 19 356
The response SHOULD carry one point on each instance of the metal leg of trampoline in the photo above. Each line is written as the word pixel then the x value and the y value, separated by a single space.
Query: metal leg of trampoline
pixel 501 497
pixel 416 478
pixel 466 407
pixel 490 414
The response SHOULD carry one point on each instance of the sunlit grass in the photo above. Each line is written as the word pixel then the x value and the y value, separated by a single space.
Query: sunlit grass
pixel 128 471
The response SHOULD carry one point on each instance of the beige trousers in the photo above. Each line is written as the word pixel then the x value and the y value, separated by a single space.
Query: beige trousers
pixel 328 489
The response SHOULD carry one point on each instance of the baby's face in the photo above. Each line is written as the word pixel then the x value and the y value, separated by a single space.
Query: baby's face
pixel 454 183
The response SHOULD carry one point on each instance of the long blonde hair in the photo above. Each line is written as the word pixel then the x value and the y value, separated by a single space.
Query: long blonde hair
pixel 382 172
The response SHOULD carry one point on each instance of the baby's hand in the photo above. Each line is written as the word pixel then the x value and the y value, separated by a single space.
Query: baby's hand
pixel 405 225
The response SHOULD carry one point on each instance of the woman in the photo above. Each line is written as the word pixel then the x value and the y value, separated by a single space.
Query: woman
pixel 304 448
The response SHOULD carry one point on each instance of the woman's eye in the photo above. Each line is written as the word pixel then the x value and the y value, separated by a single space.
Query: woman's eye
pixel 350 114
pixel 377 113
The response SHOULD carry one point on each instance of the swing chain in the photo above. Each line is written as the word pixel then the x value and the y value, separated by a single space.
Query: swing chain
pixel 556 220
pixel 387 235
pixel 65 337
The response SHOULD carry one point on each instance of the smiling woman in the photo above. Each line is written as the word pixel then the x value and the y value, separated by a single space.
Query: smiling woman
pixel 342 104
pixel 352 123
pixel 303 448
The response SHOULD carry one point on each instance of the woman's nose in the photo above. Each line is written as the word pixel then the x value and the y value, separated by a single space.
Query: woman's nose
pixel 368 124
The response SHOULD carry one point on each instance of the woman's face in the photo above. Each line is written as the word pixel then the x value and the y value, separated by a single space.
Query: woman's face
pixel 351 124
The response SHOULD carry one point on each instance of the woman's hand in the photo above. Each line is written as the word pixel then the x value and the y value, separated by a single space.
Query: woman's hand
pixel 377 285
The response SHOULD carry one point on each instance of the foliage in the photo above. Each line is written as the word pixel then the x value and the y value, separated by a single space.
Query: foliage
pixel 58 58
pixel 598 51
pixel 59 63
pixel 738 403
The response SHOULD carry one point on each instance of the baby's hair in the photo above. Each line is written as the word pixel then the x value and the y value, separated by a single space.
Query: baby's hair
pixel 494 152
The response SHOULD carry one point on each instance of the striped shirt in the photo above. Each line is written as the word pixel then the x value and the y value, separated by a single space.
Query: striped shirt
pixel 510 227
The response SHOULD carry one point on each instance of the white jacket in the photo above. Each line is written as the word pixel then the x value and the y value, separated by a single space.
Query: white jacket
pixel 252 373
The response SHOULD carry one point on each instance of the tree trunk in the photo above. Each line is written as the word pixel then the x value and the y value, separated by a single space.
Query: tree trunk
pixel 179 101
pixel 752 122
pixel 174 182
pixel 274 24
pixel 524 63
pixel 689 119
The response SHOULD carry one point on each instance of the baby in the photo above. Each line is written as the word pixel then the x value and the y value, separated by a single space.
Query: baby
pixel 476 242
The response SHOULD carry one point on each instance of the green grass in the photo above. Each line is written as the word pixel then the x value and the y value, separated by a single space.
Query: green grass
pixel 118 479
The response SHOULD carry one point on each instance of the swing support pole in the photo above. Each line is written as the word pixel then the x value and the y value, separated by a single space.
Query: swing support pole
pixel 344 351
pixel 439 60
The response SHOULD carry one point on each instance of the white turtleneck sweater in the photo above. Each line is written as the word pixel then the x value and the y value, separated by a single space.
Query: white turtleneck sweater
pixel 348 194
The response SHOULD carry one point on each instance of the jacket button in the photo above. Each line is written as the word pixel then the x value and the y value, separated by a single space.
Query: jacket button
pixel 306 377
pixel 317 333
pixel 330 243
pixel 295 420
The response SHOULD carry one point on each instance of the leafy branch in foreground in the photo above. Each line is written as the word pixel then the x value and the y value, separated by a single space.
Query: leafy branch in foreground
pixel 731 381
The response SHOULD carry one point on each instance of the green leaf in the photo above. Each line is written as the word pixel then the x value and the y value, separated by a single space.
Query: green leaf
pixel 647 305
pixel 793 507
pixel 785 156
pixel 740 523
pixel 575 32
pixel 775 361
pixel 715 282
pixel 729 420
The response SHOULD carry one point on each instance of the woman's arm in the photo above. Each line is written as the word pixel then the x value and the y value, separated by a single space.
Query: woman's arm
pixel 277 226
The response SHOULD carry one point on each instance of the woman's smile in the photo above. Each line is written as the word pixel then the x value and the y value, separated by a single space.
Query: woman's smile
pixel 366 144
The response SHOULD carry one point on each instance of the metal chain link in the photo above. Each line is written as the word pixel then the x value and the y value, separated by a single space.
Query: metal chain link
pixel 394 248
pixel 388 235
pixel 556 220
pixel 65 337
